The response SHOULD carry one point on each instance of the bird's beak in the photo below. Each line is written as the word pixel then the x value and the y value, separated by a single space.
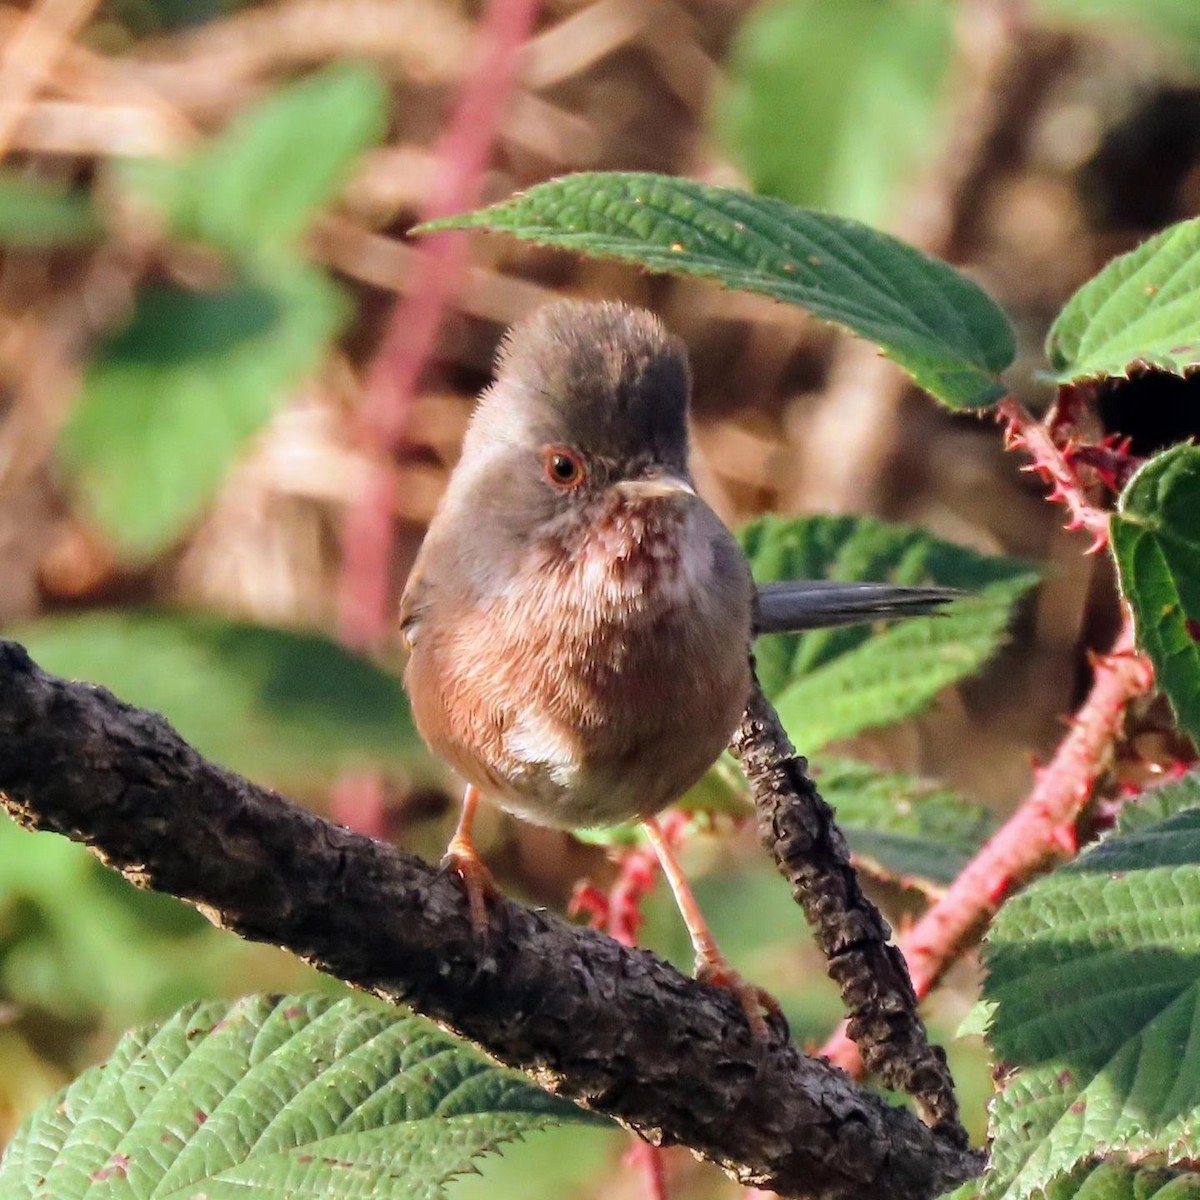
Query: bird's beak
pixel 654 487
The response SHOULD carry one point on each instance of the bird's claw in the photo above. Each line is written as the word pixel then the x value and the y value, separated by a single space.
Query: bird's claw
pixel 481 888
pixel 755 1001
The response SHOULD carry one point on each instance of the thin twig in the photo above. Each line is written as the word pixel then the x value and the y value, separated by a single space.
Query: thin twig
pixel 615 1029
pixel 1041 828
pixel 798 827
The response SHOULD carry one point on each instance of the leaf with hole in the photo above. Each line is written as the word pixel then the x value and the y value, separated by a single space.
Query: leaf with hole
pixel 291 709
pixel 1156 542
pixel 258 186
pixel 276 1097
pixel 1143 309
pixel 169 403
pixel 936 324
pixel 830 684
pixel 1094 974
pixel 863 83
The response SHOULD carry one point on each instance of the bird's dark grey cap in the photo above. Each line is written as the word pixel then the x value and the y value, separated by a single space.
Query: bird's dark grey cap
pixel 611 375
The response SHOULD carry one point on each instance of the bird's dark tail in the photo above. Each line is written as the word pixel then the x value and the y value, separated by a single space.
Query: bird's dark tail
pixel 801 604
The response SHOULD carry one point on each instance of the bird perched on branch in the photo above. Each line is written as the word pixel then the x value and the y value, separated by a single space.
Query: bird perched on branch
pixel 580 621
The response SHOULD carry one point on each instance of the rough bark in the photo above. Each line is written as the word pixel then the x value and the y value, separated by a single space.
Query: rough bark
pixel 799 829
pixel 616 1029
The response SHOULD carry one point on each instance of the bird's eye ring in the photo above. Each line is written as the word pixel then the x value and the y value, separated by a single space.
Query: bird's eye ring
pixel 563 468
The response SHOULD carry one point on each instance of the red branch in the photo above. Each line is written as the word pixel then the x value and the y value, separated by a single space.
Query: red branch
pixel 1023 432
pixel 1043 826
pixel 411 336
pixel 619 914
pixel 368 533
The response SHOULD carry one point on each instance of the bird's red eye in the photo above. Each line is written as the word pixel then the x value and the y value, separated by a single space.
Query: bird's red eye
pixel 563 468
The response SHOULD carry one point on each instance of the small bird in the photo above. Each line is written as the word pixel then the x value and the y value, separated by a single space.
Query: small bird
pixel 580 621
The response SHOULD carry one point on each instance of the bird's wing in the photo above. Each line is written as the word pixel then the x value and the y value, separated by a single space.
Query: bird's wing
pixel 801 604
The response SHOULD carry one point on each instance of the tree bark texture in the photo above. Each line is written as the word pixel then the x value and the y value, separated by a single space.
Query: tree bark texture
pixel 615 1029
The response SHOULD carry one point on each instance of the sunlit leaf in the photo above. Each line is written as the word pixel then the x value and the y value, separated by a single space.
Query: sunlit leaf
pixel 1156 542
pixel 171 401
pixel 259 185
pixel 276 1098
pixel 832 684
pixel 935 323
pixel 1143 309
pixel 1094 973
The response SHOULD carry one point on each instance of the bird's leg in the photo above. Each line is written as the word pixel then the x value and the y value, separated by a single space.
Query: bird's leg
pixel 462 858
pixel 711 965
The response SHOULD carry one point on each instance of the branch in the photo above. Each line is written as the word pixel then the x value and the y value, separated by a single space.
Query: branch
pixel 799 829
pixel 1043 826
pixel 613 1028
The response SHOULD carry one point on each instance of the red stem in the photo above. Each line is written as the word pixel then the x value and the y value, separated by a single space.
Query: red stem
pixel 1025 433
pixel 411 336
pixel 1043 826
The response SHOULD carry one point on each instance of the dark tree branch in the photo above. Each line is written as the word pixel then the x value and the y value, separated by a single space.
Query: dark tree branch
pixel 615 1029
pixel 799 829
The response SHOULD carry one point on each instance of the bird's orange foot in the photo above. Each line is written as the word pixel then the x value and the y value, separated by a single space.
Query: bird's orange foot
pixel 757 1003
pixel 463 859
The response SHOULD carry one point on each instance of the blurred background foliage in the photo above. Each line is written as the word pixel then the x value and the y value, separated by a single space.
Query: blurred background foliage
pixel 202 209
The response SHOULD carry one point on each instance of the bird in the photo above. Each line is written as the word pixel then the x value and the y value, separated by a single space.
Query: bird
pixel 579 621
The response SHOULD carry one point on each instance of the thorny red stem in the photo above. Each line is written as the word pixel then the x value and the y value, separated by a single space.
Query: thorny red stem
pixel 410 339
pixel 1024 432
pixel 1043 826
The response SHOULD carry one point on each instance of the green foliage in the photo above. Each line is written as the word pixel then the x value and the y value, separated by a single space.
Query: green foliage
pixel 256 189
pixel 1094 974
pixel 80 944
pixel 291 709
pixel 1099 1180
pixel 170 402
pixel 838 105
pixel 275 1098
pixel 1142 309
pixel 935 323
pixel 901 828
pixel 831 684
pixel 1158 803
pixel 35 214
pixel 1156 542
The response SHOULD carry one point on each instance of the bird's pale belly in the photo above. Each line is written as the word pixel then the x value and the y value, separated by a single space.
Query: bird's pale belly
pixel 617 724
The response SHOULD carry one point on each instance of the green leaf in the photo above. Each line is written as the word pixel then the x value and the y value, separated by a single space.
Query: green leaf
pixel 276 1098
pixel 81 944
pixel 901 828
pixel 1142 309
pixel 1124 1181
pixel 290 709
pixel 1156 542
pixel 936 324
pixel 260 184
pixel 862 83
pixel 169 403
pixel 36 214
pixel 1157 803
pixel 1095 976
pixel 832 684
